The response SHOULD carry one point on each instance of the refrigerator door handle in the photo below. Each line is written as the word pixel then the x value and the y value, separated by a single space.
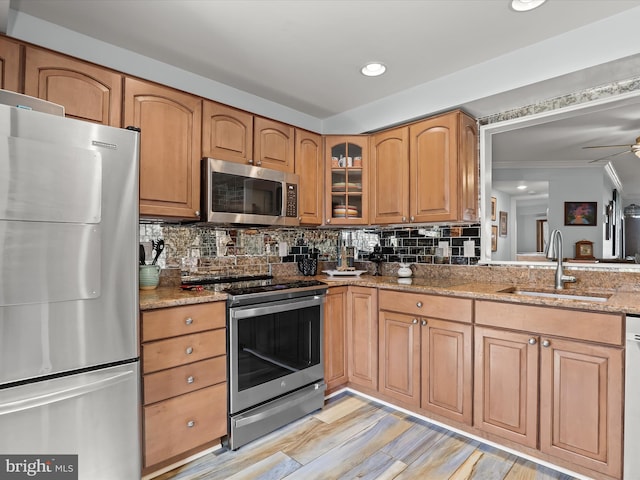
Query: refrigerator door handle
pixel 62 393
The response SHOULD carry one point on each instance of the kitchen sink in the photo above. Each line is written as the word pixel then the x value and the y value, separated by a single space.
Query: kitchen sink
pixel 565 295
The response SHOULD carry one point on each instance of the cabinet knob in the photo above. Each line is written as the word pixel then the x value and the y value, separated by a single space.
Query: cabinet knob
pixel 328 220
pixel 424 322
pixel 250 160
pixel 189 351
pixel 259 162
pixel 412 218
pixel 532 341
pixel 188 321
pixel 404 219
pixel 190 379
pixel 415 320
pixel 197 213
pixel 419 304
pixel 191 424
pixel 546 343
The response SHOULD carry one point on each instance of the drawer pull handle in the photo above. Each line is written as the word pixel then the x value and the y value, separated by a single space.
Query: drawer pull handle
pixel 419 304
pixel 532 341
pixel 188 321
pixel 415 320
pixel 546 343
pixel 189 351
pixel 424 322
pixel 191 424
pixel 190 379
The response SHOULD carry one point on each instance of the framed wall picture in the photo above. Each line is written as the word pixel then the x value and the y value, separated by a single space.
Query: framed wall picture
pixel 494 238
pixel 503 224
pixel 494 203
pixel 581 214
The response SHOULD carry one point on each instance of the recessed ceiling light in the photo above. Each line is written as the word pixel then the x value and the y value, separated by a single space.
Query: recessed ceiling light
pixel 373 69
pixel 526 5
pixel 521 187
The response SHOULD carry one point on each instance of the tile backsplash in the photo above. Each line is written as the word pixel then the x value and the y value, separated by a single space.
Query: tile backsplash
pixel 209 250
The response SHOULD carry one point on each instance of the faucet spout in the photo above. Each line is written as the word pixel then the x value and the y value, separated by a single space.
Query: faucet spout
pixel 554 248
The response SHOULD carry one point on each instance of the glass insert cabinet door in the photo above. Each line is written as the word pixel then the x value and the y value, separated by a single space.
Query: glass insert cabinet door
pixel 347 187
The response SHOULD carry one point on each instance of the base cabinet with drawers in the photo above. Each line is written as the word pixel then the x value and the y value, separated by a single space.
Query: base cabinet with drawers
pixel 425 352
pixel 184 381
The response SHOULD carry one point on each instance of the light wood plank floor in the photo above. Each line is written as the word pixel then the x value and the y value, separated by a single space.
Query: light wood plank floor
pixel 355 438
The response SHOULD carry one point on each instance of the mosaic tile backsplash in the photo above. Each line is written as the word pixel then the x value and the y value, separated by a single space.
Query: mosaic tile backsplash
pixel 204 250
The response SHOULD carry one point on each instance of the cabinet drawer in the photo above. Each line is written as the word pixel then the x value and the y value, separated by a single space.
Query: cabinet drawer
pixel 577 324
pixel 178 351
pixel 182 423
pixel 169 322
pixel 437 306
pixel 188 378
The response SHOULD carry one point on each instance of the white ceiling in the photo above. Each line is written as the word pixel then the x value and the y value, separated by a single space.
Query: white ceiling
pixel 305 55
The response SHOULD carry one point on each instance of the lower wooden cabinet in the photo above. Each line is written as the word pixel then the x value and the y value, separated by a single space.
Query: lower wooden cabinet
pixel 561 396
pixel 426 362
pixel 362 336
pixel 184 381
pixel 335 337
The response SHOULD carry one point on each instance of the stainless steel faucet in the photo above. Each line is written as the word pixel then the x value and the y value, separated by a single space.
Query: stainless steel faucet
pixel 554 250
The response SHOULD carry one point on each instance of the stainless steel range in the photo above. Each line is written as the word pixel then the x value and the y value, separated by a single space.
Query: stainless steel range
pixel 275 360
pixel 275 354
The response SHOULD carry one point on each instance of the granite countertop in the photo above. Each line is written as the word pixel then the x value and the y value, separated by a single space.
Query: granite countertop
pixel 618 302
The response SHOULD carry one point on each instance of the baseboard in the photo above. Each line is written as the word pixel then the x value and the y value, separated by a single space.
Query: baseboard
pixel 184 461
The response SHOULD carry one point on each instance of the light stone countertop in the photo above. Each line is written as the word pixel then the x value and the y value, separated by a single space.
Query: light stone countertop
pixel 620 301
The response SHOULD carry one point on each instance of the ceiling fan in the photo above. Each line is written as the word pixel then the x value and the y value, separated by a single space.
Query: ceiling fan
pixel 635 149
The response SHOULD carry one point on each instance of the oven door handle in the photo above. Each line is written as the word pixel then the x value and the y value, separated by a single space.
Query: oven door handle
pixel 275 307
pixel 291 403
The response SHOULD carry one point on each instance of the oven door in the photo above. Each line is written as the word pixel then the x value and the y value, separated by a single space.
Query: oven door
pixel 274 348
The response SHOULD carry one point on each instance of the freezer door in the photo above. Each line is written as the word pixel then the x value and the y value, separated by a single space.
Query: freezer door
pixel 93 415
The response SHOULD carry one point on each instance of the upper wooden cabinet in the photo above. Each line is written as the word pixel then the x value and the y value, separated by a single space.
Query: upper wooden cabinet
pixel 227 133
pixel 86 91
pixel 443 169
pixel 170 122
pixel 273 144
pixel 390 176
pixel 309 167
pixel 346 184
pixel 10 68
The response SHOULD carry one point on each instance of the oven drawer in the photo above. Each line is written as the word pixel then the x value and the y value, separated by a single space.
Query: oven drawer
pixel 183 320
pixel 436 306
pixel 182 350
pixel 179 424
pixel 176 381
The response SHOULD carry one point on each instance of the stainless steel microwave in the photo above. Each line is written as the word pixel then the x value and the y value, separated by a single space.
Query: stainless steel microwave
pixel 235 193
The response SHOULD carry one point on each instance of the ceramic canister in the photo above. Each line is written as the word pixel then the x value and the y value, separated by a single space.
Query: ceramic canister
pixel 149 276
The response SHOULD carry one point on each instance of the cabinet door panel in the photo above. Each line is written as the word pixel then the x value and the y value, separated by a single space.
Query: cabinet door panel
pixel 170 123
pixel 580 404
pixel 390 176
pixel 446 369
pixel 468 169
pixel 433 190
pixel 273 144
pixel 310 168
pixel 400 357
pixel 10 70
pixel 362 336
pixel 227 133
pixel 86 91
pixel 506 385
pixel 335 337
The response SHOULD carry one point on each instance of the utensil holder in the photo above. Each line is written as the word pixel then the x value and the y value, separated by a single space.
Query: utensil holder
pixel 308 266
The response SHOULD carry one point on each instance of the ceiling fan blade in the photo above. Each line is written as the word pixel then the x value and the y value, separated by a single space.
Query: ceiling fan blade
pixel 609 146
pixel 609 156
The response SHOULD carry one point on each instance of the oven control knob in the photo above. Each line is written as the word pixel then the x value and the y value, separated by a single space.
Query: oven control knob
pixel 189 351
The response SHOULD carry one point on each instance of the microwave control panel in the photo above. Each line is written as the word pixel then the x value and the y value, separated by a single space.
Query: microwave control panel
pixel 292 200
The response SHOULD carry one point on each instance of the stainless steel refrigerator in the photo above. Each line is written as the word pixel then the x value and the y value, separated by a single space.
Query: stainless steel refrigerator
pixel 69 357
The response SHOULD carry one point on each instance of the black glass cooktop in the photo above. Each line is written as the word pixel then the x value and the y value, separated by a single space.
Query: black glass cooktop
pixel 271 286
pixel 246 285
